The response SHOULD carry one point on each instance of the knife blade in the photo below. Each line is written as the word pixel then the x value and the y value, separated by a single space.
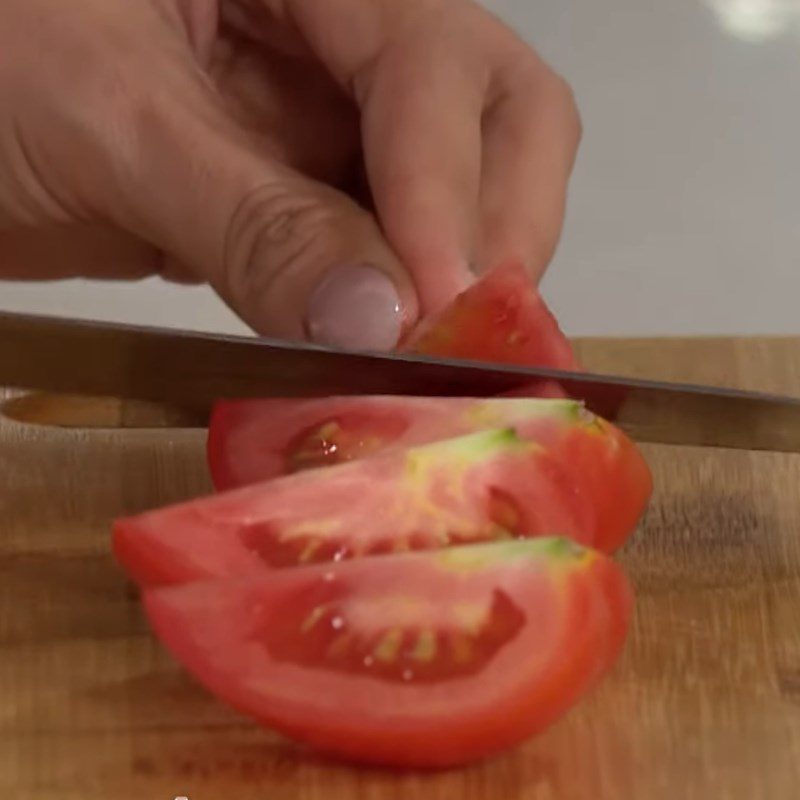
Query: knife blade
pixel 188 371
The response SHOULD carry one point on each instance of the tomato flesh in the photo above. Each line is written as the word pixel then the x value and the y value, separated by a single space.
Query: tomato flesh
pixel 491 485
pixel 425 659
pixel 503 319
pixel 417 652
pixel 254 440
pixel 606 467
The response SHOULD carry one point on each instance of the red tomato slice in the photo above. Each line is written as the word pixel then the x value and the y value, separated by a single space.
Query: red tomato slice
pixel 486 486
pixel 252 441
pixel 426 659
pixel 503 319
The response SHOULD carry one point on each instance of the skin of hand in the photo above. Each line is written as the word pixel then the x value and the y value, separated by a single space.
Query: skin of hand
pixel 333 170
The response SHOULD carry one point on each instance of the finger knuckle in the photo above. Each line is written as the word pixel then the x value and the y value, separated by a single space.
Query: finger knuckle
pixel 554 92
pixel 271 231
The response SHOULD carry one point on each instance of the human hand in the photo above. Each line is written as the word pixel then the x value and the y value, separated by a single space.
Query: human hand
pixel 332 170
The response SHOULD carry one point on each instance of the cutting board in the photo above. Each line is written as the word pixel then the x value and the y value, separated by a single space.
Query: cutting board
pixel 704 703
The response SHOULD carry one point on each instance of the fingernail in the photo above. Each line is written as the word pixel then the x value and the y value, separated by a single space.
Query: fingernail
pixel 355 307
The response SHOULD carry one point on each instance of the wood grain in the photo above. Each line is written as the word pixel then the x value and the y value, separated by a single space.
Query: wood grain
pixel 705 702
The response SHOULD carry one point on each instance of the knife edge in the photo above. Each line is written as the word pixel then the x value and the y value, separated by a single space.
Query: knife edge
pixel 190 371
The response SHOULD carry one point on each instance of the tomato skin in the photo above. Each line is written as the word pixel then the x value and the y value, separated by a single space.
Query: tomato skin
pixel 614 474
pixel 490 485
pixel 576 605
pixel 609 469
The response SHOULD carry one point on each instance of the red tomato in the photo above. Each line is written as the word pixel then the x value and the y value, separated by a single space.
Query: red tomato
pixel 252 441
pixel 612 473
pixel 503 319
pixel 487 486
pixel 424 660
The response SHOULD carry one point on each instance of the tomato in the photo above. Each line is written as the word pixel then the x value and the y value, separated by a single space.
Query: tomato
pixel 424 660
pixel 380 579
pixel 490 485
pixel 253 440
pixel 258 440
pixel 502 318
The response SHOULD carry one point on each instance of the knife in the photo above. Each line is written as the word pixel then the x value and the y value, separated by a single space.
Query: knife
pixel 185 372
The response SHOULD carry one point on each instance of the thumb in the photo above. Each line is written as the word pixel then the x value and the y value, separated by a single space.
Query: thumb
pixel 294 258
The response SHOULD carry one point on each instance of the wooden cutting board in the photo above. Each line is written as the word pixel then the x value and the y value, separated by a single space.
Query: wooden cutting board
pixel 705 702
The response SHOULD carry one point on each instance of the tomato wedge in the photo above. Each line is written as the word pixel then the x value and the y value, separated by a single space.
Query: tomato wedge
pixel 251 441
pixel 501 318
pixel 426 659
pixel 487 486
pixel 254 440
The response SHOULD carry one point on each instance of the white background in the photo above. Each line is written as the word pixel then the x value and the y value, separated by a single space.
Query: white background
pixel 684 212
